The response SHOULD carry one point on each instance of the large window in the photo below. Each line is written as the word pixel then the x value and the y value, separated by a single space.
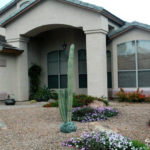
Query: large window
pixel 57 69
pixel 134 64
pixel 82 68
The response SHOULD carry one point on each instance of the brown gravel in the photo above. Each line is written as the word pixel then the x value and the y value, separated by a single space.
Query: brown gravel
pixel 37 128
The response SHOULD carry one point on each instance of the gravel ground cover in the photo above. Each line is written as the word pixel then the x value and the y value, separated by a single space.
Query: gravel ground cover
pixel 37 128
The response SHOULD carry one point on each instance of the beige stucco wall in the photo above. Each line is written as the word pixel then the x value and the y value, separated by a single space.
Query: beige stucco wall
pixel 52 41
pixel 8 75
pixel 51 13
pixel 135 34
pixel 55 12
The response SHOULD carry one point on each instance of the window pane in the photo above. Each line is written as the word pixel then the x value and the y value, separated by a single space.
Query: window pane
pixel 108 61
pixel 109 80
pixel 83 81
pixel 127 79
pixel 144 78
pixel 143 54
pixel 53 81
pixel 82 62
pixel 53 68
pixel 63 62
pixel 126 56
pixel 63 81
pixel 53 63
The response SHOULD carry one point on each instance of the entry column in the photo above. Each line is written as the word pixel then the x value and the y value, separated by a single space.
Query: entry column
pixel 22 79
pixel 96 62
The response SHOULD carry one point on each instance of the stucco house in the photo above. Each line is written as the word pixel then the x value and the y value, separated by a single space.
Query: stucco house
pixel 110 53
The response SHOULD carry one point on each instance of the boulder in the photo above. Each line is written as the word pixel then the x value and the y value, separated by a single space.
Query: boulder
pixel 95 126
pixel 96 104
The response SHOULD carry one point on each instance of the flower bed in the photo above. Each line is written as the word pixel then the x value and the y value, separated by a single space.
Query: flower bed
pixel 87 114
pixel 104 141
pixel 137 96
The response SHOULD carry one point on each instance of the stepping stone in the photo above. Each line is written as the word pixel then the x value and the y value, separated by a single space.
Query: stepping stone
pixel 2 125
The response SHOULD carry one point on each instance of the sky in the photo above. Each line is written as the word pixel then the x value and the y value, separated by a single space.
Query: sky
pixel 128 10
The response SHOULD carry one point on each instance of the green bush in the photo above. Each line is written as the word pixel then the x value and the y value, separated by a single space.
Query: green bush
pixel 44 94
pixel 139 145
pixel 34 74
pixel 84 100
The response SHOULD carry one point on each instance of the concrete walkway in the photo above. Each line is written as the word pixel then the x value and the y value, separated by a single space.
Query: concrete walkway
pixel 6 107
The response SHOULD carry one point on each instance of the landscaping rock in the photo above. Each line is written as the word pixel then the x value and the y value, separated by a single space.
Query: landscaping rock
pixel 147 141
pixel 97 126
pixel 2 125
pixel 96 104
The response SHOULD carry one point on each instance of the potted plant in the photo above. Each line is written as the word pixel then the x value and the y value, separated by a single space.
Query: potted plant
pixel 10 101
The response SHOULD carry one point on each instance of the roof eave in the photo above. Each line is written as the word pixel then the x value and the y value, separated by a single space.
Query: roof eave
pixel 126 30
pixel 8 6
pixel 10 51
pixel 91 7
pixel 19 13
pixel 112 17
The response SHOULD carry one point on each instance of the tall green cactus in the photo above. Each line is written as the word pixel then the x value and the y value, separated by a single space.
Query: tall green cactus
pixel 66 98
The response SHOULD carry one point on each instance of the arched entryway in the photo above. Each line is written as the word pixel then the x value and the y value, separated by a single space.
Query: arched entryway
pixel 49 49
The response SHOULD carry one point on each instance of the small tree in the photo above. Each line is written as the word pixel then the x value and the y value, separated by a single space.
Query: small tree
pixel 34 74
pixel 66 98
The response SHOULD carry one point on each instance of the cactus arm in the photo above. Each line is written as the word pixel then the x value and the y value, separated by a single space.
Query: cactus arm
pixel 70 82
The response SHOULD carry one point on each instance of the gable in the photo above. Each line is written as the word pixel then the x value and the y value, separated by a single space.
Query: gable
pixel 72 2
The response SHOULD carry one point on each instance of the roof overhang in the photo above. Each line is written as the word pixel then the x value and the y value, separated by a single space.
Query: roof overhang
pixel 19 12
pixel 10 51
pixel 126 30
pixel 8 6
pixel 78 3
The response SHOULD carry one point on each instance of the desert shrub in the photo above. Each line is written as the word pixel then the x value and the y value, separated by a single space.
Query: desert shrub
pixel 136 96
pixel 53 95
pixel 84 100
pixel 44 94
pixel 139 145
pixel 103 141
pixel 88 114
